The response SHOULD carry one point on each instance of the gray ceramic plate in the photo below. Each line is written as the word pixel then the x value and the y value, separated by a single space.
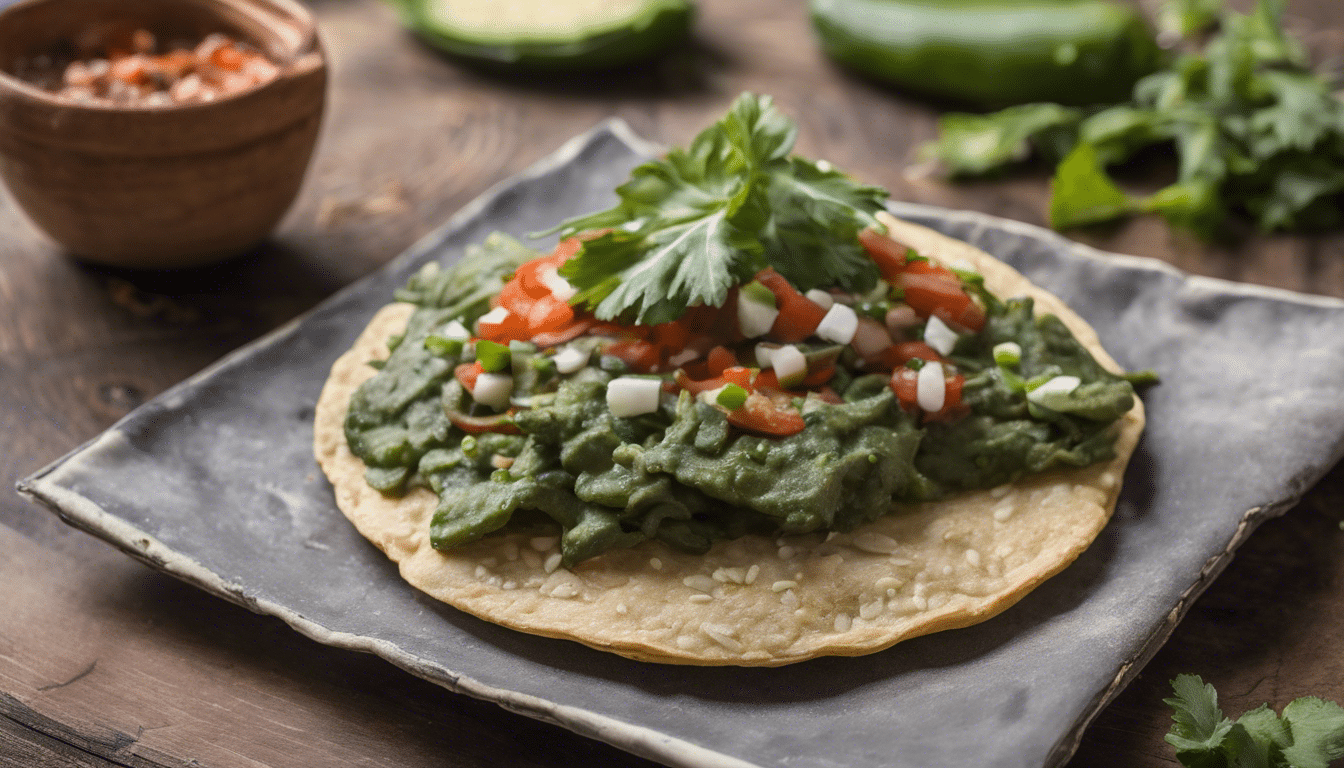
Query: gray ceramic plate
pixel 215 483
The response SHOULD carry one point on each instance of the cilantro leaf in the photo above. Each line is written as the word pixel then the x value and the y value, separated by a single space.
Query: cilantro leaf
pixel 1317 728
pixel 1198 724
pixel 1310 734
pixel 976 144
pixel 1256 132
pixel 695 223
pixel 1084 194
pixel 812 238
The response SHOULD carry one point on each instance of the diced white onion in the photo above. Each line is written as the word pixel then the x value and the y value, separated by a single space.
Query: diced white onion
pixel 764 351
pixel 456 330
pixel 790 365
pixel 493 389
pixel 839 324
pixel 939 336
pixel 1060 385
pixel 754 318
pixel 559 286
pixel 823 298
pixel 930 389
pixel 493 317
pixel 629 396
pixel 570 359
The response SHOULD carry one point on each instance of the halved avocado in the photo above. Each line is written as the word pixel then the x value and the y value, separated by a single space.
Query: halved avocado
pixel 549 34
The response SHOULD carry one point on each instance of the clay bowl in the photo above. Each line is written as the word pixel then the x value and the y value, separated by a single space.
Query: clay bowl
pixel 164 186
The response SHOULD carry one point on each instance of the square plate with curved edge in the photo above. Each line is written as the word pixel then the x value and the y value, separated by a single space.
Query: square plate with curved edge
pixel 1246 419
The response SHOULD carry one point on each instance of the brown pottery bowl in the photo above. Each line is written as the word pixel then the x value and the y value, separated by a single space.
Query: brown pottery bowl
pixel 159 186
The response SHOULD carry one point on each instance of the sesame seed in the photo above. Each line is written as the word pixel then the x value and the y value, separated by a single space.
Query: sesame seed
pixel 510 584
pixel 551 563
pixel 888 582
pixel 701 598
pixel 786 552
pixel 723 636
pixel 543 543
pixel 752 573
pixel 789 599
pixel 700 582
pixel 656 564
pixel 973 557
pixel 921 602
pixel 831 535
pixel 842 622
pixel 1000 491
pixel 685 642
pixel 481 572
pixel 875 543
pixel 870 610
pixel 891 593
pixel 621 609
pixel 780 586
pixel 1107 479
pixel 565 590
pixel 1003 511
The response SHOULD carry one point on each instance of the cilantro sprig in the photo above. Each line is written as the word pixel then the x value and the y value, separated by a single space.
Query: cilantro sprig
pixel 1309 733
pixel 695 223
pixel 1256 132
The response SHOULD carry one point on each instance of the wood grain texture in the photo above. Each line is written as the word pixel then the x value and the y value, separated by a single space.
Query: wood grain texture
pixel 105 663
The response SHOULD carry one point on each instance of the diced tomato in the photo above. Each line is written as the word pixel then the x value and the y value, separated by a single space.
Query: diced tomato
pixel 672 337
pixel 908 350
pixel 905 383
pixel 818 377
pixel 637 353
pixel 563 334
pixel 934 290
pixel 767 416
pixel 738 375
pixel 768 382
pixel 548 314
pixel 511 328
pixel 719 359
pixel 513 297
pixel 467 374
pixel 888 254
pixel 798 317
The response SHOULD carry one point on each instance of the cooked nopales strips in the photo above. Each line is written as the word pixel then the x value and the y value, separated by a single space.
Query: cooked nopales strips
pixel 753 601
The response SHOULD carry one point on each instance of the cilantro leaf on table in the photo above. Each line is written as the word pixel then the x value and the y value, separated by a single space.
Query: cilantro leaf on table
pixel 1256 132
pixel 1309 734
pixel 695 223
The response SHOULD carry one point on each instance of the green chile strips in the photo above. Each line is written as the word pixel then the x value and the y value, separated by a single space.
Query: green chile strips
pixel 682 474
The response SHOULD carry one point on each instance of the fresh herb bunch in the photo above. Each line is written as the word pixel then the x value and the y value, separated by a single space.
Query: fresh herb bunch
pixel 693 224
pixel 1256 132
pixel 1309 733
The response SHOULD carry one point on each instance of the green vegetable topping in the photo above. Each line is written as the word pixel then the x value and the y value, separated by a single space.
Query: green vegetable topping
pixel 1309 733
pixel 732 397
pixel 1257 133
pixel 692 471
pixel 493 356
pixel 701 220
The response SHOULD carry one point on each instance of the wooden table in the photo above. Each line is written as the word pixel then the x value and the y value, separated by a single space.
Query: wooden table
pixel 104 662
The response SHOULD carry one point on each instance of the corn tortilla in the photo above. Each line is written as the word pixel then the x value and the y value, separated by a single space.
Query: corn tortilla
pixel 755 601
